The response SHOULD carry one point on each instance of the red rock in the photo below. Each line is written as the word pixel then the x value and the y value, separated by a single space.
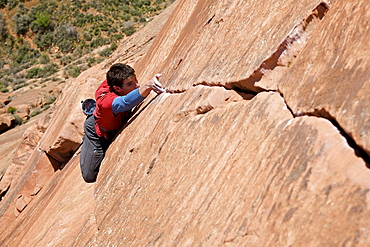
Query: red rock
pixel 23 111
pixel 332 72
pixel 4 98
pixel 36 190
pixel 206 166
pixel 6 122
pixel 20 204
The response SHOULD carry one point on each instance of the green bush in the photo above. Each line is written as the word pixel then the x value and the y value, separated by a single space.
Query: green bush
pixel 66 60
pixel 12 4
pixel 25 54
pixel 99 41
pixel 44 58
pixel 42 23
pixel 22 10
pixel 3 30
pixel 35 112
pixel 50 99
pixel 11 110
pixel 73 71
pixel 90 61
pixel 4 89
pixel 129 31
pixel 22 24
pixel 17 119
pixel 87 36
pixel 35 72
pixel 107 51
pixel 39 72
pixel 65 37
pixel 43 40
pixel 50 69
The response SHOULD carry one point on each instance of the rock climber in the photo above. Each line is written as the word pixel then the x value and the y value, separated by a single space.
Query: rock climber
pixel 115 98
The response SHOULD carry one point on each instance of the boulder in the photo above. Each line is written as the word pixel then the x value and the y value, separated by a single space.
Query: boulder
pixel 4 99
pixel 7 121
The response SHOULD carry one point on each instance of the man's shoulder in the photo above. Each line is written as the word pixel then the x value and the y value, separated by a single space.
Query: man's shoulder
pixel 106 98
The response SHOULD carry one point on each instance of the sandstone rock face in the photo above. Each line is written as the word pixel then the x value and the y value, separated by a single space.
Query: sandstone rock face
pixel 27 165
pixel 333 72
pixel 260 140
pixel 62 213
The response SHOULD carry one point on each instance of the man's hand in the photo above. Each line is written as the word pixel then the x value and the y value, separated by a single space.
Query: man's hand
pixel 152 84
pixel 157 87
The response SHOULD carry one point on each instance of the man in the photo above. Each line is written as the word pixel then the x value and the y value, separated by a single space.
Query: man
pixel 115 98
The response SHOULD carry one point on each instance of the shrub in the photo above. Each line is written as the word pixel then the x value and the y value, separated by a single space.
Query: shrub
pixel 44 58
pixel 39 72
pixel 66 60
pixel 87 36
pixel 35 112
pixel 42 22
pixel 65 36
pixel 50 99
pixel 12 4
pixel 99 41
pixel 50 69
pixel 43 40
pixel 11 110
pixel 22 9
pixel 17 119
pixel 25 54
pixel 3 30
pixel 90 61
pixel 129 31
pixel 73 71
pixel 22 23
pixel 34 72
pixel 107 51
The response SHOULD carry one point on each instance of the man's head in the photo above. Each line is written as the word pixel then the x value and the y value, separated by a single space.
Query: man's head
pixel 121 79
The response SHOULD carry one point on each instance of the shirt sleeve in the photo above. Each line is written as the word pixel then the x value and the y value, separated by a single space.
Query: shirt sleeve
pixel 126 102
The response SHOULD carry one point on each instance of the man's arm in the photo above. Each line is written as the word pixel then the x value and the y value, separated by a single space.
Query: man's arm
pixel 127 102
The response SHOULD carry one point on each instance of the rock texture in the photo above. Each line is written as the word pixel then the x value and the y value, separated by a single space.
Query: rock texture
pixel 335 84
pixel 262 138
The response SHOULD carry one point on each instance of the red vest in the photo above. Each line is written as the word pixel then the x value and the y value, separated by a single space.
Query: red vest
pixel 105 120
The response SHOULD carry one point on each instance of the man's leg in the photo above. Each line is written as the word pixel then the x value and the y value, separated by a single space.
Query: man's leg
pixel 92 152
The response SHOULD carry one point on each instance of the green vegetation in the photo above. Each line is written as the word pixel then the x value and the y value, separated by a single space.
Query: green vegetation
pixel 41 37
pixel 11 110
pixel 18 120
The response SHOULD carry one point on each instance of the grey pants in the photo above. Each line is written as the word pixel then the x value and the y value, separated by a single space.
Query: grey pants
pixel 92 151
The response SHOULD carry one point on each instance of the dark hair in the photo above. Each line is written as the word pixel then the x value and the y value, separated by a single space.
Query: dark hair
pixel 117 73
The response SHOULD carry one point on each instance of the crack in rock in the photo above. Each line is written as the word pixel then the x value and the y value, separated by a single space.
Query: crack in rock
pixel 322 113
pixel 274 67
pixel 359 151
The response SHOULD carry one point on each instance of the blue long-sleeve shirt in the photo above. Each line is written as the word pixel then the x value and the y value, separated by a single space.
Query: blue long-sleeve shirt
pixel 126 102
